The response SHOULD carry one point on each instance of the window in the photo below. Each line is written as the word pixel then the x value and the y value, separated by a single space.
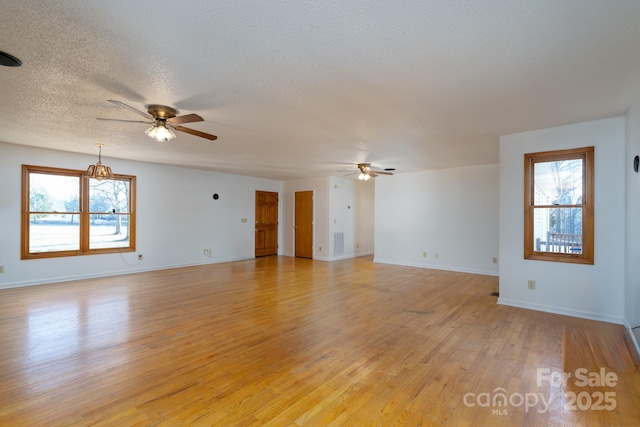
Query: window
pixel 558 206
pixel 66 214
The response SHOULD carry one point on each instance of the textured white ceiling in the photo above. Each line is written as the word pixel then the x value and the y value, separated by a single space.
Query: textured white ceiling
pixel 307 88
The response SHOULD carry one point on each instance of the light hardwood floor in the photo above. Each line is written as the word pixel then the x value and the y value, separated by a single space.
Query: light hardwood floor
pixel 281 341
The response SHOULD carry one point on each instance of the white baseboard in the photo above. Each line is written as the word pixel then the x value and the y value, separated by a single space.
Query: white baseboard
pixel 111 273
pixel 633 332
pixel 437 267
pixel 356 255
pixel 562 310
pixel 335 258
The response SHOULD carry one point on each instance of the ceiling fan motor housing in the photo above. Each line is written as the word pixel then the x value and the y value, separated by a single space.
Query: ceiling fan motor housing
pixel 364 167
pixel 162 111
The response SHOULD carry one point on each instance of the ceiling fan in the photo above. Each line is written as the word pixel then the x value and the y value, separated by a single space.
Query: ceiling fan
pixel 366 172
pixel 163 121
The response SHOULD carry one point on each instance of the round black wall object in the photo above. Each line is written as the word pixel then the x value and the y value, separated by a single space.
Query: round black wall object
pixel 9 60
pixel 636 164
pixel 216 197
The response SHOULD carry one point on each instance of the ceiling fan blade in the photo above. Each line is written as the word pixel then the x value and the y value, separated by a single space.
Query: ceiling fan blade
pixel 196 133
pixel 121 120
pixel 383 173
pixel 187 118
pixel 135 110
pixel 373 174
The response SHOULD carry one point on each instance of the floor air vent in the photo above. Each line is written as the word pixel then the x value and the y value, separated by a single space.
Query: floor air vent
pixel 495 294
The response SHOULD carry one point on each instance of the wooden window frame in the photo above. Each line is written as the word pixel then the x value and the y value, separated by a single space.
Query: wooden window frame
pixel 586 154
pixel 84 214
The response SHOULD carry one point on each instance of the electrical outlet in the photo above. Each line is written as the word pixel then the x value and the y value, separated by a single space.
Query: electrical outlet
pixel 1 268
pixel 424 254
pixel 437 255
pixel 319 248
pixel 495 260
pixel 139 257
pixel 531 284
pixel 244 220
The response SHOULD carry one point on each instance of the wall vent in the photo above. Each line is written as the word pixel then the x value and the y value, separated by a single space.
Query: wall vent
pixel 338 243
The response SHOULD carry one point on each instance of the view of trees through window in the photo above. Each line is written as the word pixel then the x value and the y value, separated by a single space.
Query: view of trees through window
pixel 70 213
pixel 109 213
pixel 558 184
pixel 54 213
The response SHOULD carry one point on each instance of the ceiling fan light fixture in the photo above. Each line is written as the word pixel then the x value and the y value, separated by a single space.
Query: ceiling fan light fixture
pixel 161 132
pixel 99 171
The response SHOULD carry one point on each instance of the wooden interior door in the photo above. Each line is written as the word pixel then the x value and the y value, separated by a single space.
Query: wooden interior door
pixel 304 224
pixel 266 223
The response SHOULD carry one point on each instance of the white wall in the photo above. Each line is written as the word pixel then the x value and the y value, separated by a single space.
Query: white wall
pixel 365 208
pixel 632 233
pixel 349 204
pixel 176 218
pixel 450 214
pixel 590 291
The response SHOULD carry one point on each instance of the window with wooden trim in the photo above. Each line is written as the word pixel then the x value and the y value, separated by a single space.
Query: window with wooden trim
pixel 558 206
pixel 65 213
